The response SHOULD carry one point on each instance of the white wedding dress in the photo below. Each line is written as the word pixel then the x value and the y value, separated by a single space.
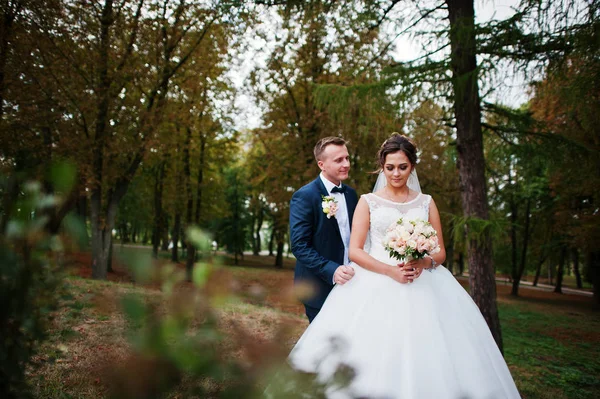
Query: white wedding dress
pixel 421 340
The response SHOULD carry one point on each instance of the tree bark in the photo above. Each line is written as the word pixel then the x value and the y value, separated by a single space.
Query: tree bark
pixel 187 170
pixel 158 209
pixel 523 260
pixel 593 260
pixel 164 232
pixel 561 269
pixel 471 165
pixel 272 241
pixel 513 238
pixel 200 181
pixel 109 263
pixel 279 257
pixel 257 245
pixel 461 263
pixel 176 229
pixel 101 234
pixel 575 255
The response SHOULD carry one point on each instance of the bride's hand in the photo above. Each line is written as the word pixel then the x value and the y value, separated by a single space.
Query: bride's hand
pixel 404 274
pixel 420 264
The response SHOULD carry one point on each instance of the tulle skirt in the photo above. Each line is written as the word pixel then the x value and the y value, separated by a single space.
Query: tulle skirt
pixel 421 340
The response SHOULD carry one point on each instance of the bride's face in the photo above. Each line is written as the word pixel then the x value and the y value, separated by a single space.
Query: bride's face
pixel 397 169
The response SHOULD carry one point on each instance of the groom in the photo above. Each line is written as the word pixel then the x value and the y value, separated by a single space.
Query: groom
pixel 320 227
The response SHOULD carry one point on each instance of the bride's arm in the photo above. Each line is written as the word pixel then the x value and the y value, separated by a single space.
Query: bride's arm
pixel 357 254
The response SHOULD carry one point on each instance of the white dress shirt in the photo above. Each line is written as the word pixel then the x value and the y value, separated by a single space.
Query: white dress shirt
pixel 341 216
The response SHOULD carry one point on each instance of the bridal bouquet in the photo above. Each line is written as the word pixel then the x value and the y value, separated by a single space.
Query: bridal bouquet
pixel 411 239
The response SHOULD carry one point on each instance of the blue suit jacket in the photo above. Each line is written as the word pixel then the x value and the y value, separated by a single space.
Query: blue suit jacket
pixel 316 241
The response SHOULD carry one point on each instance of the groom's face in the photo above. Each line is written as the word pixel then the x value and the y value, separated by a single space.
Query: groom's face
pixel 335 163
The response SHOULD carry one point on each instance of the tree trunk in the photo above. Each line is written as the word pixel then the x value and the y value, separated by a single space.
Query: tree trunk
pixel 158 209
pixel 102 234
pixel 272 241
pixel 461 263
pixel 551 265
pixel 593 261
pixel 513 241
pixel 200 180
pixel 257 245
pixel 176 229
pixel 187 170
pixel 109 262
pixel 523 261
pixel 561 270
pixel 471 165
pixel 165 239
pixel 279 257
pixel 537 273
pixel 124 233
pixel 575 255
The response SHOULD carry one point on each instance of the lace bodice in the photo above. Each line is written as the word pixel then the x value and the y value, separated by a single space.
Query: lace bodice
pixel 384 212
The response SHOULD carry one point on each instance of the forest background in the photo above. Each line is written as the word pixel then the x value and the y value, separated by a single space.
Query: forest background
pixel 128 114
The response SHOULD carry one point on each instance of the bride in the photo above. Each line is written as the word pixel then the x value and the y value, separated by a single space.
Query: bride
pixel 405 334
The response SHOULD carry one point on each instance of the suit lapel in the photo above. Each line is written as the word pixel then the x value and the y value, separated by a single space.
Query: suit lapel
pixel 350 205
pixel 321 186
pixel 324 192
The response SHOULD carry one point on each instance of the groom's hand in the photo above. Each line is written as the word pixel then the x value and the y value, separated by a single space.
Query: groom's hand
pixel 343 274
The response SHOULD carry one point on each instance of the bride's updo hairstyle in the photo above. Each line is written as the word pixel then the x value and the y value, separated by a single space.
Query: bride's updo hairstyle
pixel 397 142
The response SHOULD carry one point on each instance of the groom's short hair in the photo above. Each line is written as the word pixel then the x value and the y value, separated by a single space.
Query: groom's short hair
pixel 324 142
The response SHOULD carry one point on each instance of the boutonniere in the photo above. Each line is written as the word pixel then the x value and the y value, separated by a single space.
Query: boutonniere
pixel 330 206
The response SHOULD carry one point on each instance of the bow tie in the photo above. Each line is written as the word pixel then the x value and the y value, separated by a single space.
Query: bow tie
pixel 337 189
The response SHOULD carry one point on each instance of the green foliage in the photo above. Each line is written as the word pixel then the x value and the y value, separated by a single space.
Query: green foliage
pixel 233 229
pixel 476 229
pixel 30 275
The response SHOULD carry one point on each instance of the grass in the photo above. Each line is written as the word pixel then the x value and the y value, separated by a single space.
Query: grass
pixel 551 341
pixel 553 353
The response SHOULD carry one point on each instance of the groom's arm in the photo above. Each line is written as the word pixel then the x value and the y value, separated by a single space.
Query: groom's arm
pixel 301 234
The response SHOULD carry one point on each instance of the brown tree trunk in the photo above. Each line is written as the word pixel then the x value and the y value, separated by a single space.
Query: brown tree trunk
pixel 158 209
pixel 109 261
pixel 272 241
pixel 165 232
pixel 176 228
pixel 513 240
pixel 200 182
pixel 101 232
pixel 561 269
pixel 471 165
pixel 575 255
pixel 461 263
pixel 279 257
pixel 259 222
pixel 523 261
pixel 593 261
pixel 191 254
pixel 538 271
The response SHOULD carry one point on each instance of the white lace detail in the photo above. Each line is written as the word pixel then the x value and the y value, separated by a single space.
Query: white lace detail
pixel 384 212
